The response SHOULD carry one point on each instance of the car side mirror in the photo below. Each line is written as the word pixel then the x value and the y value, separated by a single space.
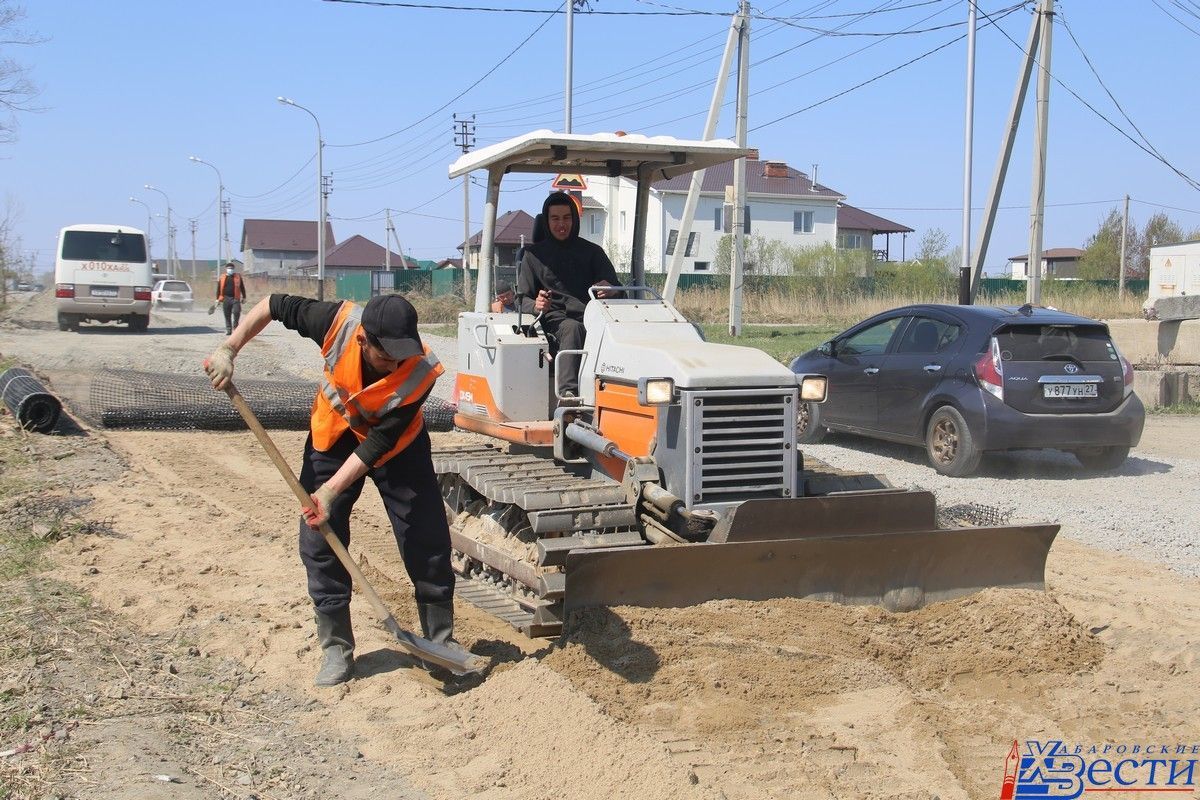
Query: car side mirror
pixel 828 349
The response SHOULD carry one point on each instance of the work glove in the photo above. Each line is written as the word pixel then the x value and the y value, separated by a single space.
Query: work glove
pixel 219 366
pixel 322 499
pixel 212 308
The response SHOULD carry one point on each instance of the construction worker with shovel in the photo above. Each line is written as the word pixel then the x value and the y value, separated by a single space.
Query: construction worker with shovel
pixel 366 421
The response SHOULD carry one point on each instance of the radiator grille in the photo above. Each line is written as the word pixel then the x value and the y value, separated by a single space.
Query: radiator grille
pixel 743 445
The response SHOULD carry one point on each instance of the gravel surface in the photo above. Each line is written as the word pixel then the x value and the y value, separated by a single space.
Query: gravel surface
pixel 1146 509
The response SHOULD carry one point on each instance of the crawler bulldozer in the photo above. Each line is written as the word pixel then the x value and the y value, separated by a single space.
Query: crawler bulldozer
pixel 674 478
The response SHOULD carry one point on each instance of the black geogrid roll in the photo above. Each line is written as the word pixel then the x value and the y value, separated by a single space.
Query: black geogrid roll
pixel 34 407
pixel 154 401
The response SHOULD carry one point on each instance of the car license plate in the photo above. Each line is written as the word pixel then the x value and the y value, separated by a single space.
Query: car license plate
pixel 104 291
pixel 1069 390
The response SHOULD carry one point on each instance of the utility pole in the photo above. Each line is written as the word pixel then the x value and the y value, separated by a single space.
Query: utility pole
pixel 738 255
pixel 568 68
pixel 192 226
pixel 1124 231
pixel 326 188
pixel 1037 211
pixel 693 197
pixel 464 138
pixel 225 207
pixel 387 243
pixel 964 270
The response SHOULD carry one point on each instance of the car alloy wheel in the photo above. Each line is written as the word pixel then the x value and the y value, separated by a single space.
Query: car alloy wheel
pixel 809 429
pixel 949 443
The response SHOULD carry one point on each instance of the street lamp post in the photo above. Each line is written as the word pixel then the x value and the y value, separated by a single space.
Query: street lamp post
pixel 220 200
pixel 149 223
pixel 171 254
pixel 287 101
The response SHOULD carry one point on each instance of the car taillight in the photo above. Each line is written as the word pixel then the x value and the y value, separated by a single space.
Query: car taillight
pixel 141 293
pixel 989 371
pixel 64 290
pixel 1126 374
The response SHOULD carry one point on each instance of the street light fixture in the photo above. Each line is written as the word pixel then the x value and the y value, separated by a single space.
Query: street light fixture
pixel 149 223
pixel 172 260
pixel 287 101
pixel 220 201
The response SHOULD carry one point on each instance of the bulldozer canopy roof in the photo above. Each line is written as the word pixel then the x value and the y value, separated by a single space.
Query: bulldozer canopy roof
pixel 611 154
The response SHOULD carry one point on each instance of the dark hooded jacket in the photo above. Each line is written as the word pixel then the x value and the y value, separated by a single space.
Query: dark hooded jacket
pixel 566 268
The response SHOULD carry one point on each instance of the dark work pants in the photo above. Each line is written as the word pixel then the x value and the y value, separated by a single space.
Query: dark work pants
pixel 408 487
pixel 566 333
pixel 233 313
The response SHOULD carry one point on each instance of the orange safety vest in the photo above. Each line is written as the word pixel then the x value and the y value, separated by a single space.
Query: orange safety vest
pixel 238 291
pixel 342 402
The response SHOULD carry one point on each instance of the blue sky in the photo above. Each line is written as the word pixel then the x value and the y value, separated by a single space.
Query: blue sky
pixel 131 89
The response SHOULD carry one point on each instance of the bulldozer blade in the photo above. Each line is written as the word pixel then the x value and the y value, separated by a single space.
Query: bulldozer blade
pixel 901 571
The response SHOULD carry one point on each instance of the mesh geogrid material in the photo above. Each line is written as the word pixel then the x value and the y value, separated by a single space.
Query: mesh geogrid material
pixel 155 401
pixel 29 401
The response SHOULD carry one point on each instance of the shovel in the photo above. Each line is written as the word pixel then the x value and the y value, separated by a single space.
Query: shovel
pixel 456 660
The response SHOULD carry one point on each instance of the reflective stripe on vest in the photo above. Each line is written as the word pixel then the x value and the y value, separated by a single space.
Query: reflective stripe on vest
pixel 344 403
pixel 237 286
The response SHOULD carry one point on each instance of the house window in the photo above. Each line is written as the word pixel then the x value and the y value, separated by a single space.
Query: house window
pixel 594 220
pixel 622 222
pixel 802 222
pixel 673 239
pixel 853 241
pixel 728 219
pixel 717 218
pixel 746 220
pixel 701 266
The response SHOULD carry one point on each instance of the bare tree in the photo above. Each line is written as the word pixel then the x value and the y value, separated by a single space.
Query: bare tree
pixel 17 90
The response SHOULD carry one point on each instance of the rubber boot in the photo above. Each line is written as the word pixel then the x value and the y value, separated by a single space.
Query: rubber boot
pixel 337 643
pixel 437 622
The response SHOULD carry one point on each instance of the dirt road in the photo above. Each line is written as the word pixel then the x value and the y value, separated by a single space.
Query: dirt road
pixel 784 699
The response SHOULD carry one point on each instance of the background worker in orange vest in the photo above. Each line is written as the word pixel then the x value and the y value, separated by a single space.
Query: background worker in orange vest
pixel 366 421
pixel 231 291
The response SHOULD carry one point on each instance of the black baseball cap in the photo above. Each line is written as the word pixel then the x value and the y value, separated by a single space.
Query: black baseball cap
pixel 392 321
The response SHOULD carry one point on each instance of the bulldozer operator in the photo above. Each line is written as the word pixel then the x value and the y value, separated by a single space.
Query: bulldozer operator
pixel 553 280
pixel 366 421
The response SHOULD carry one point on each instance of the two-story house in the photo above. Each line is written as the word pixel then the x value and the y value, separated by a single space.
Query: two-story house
pixel 280 246
pixel 781 204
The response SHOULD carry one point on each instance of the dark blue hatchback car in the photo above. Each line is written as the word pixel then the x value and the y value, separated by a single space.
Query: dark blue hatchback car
pixel 965 380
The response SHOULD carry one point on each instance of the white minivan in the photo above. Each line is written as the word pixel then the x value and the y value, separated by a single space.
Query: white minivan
pixel 102 273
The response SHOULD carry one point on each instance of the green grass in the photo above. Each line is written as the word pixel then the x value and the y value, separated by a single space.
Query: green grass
pixel 1190 408
pixel 781 342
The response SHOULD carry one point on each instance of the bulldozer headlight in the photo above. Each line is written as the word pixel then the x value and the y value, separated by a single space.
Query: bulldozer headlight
pixel 814 388
pixel 655 391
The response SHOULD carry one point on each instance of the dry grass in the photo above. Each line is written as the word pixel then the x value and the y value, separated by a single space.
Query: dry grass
pixel 817 308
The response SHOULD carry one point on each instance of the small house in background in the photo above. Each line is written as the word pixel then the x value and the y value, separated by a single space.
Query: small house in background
pixel 857 230
pixel 452 263
pixel 513 229
pixel 280 246
pixel 1057 262
pixel 357 255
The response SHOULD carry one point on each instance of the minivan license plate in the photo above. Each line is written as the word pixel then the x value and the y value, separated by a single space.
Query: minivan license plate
pixel 103 291
pixel 1069 390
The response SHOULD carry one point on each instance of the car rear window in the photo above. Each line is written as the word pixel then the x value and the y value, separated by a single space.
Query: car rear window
pixel 104 246
pixel 1050 342
pixel 176 286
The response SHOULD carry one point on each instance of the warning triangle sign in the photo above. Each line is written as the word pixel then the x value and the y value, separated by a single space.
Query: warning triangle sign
pixel 565 182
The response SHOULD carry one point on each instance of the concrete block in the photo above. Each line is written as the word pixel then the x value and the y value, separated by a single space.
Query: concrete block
pixel 1152 343
pixel 1177 308
pixel 1157 388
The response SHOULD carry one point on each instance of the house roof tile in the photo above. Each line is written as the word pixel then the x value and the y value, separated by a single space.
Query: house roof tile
pixel 361 253
pixel 851 218
pixel 283 234
pixel 510 226
pixel 716 178
pixel 1053 254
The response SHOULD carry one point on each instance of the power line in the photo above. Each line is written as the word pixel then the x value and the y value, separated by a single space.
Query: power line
pixel 1172 16
pixel 444 106
pixel 588 12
